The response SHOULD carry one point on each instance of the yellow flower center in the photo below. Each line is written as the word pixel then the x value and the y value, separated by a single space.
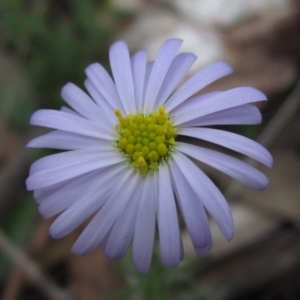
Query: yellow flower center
pixel 147 141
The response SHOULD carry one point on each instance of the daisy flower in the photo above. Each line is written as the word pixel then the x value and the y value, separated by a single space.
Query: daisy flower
pixel 125 168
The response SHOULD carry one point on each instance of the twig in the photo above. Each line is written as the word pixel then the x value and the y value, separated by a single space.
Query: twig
pixel 281 118
pixel 31 270
pixel 16 279
pixel 14 284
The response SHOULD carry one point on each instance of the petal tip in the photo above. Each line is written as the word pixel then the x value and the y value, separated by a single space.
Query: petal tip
pixel 28 185
pixel 270 161
pixel 174 40
pixel 263 185
pixel 54 232
pixel 171 263
pixel 83 247
pixel 224 65
pixel 43 211
pixel 229 234
pixel 92 67
pixel 75 250
pixel 118 46
pixel 67 88
pixel 30 144
pixel 33 117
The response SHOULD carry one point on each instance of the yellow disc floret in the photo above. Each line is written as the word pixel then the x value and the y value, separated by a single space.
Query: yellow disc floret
pixel 147 141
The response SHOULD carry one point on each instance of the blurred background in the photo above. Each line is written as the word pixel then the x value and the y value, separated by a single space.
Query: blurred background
pixel 46 43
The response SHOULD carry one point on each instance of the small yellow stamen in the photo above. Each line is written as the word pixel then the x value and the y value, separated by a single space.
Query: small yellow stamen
pixel 147 141
pixel 162 149
pixel 142 161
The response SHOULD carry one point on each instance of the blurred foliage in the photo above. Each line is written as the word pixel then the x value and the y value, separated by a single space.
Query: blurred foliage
pixel 16 106
pixel 161 283
pixel 53 41
pixel 18 225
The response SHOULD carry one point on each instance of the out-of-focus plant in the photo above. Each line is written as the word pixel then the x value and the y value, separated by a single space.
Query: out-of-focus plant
pixel 53 41
pixel 160 283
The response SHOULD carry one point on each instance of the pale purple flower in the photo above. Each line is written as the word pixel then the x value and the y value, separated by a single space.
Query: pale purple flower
pixel 124 166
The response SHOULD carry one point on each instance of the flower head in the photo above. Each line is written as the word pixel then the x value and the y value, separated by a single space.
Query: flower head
pixel 125 166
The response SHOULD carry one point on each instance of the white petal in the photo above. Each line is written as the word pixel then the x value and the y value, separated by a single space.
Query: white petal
pixel 103 242
pixel 69 110
pixel 178 69
pixel 232 98
pixel 84 105
pixel 90 202
pixel 55 198
pixel 160 68
pixel 244 114
pixel 191 103
pixel 105 85
pixel 232 141
pixel 227 164
pixel 198 81
pixel 105 106
pixel 71 123
pixel 241 115
pixel 149 68
pixel 58 139
pixel 203 251
pixel 121 68
pixel 65 158
pixel 169 235
pixel 69 168
pixel 143 239
pixel 191 208
pixel 138 65
pixel 103 221
pixel 76 190
pixel 122 232
pixel 211 197
pixel 63 198
pixel 41 194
